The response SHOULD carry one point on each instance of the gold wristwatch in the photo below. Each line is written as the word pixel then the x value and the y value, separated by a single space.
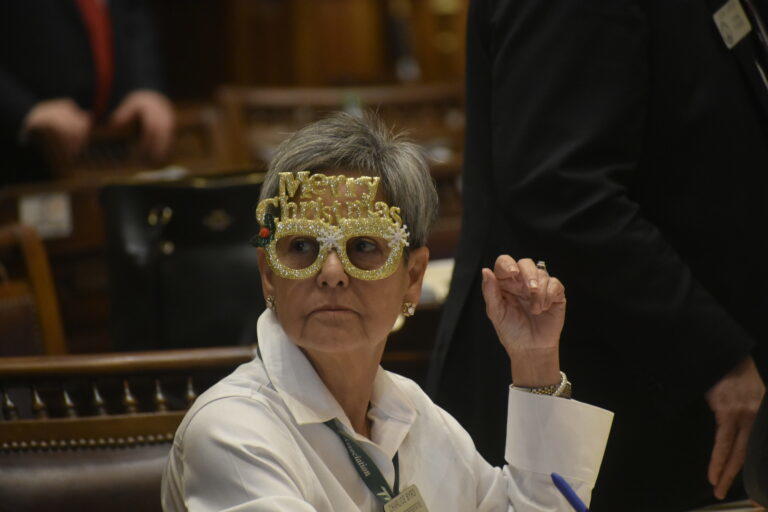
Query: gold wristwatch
pixel 562 389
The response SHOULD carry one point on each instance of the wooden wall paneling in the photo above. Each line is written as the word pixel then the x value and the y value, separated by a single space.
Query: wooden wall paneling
pixel 259 42
pixel 194 39
pixel 207 43
pixel 339 42
pixel 439 29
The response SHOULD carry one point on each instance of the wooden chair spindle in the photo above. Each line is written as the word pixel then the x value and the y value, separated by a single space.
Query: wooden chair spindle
pixel 69 404
pixel 9 408
pixel 38 406
pixel 161 403
pixel 191 395
pixel 129 401
pixel 98 401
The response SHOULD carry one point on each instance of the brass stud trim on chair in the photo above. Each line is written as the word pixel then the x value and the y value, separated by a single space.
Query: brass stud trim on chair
pixel 93 443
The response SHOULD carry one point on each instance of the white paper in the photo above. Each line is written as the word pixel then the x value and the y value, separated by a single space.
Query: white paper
pixel 50 214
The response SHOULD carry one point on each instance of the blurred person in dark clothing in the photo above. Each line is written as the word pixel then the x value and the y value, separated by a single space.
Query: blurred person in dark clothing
pixel 625 142
pixel 68 65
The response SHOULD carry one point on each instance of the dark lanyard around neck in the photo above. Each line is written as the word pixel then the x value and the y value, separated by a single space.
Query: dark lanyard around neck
pixel 365 466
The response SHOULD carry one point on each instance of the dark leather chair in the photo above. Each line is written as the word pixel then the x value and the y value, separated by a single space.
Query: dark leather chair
pixel 182 271
pixel 92 432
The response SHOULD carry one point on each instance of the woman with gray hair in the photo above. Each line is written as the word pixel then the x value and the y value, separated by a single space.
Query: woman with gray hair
pixel 314 423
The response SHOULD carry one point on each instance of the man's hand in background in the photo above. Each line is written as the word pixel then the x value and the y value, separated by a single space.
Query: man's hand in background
pixel 735 400
pixel 62 122
pixel 156 118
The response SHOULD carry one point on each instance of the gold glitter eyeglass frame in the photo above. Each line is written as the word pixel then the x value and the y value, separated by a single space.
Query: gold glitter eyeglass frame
pixel 368 219
pixel 334 238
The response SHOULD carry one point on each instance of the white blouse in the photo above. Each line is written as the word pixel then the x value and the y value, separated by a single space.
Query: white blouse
pixel 256 441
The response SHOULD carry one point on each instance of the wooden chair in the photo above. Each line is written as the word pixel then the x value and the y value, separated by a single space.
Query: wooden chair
pixel 258 119
pixel 30 322
pixel 200 143
pixel 92 432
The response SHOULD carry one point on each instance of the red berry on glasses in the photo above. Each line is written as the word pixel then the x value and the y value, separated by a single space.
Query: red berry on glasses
pixel 264 233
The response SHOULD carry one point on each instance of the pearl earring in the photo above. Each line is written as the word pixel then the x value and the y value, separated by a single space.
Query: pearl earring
pixel 408 309
pixel 270 300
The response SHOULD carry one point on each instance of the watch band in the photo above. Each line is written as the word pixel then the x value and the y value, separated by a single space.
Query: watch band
pixel 562 389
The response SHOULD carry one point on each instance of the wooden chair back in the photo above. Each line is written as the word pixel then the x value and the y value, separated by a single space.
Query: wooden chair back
pixel 200 143
pixel 30 321
pixel 258 119
pixel 79 432
pixel 93 432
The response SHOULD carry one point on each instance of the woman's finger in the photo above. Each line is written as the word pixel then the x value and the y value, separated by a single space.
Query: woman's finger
pixel 555 293
pixel 544 278
pixel 506 267
pixel 508 276
pixel 529 274
pixel 735 461
pixel 494 302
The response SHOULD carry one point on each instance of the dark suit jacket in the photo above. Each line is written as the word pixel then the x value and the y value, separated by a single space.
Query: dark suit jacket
pixel 45 53
pixel 622 142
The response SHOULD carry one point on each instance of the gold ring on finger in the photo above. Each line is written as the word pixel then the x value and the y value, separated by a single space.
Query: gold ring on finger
pixel 541 265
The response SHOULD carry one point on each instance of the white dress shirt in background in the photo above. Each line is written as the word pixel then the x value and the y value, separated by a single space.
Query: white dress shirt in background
pixel 256 441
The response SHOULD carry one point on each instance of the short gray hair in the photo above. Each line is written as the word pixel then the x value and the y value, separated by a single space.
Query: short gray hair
pixel 343 142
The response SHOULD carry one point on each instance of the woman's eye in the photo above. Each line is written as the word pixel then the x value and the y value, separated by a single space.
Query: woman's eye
pixel 301 245
pixel 363 245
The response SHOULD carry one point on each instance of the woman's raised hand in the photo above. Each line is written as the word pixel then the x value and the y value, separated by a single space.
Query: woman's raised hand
pixel 527 308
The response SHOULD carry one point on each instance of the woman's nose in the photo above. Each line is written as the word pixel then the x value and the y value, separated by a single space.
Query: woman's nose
pixel 332 272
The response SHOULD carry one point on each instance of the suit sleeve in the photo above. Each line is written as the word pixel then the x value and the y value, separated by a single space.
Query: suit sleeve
pixel 568 105
pixel 15 103
pixel 145 67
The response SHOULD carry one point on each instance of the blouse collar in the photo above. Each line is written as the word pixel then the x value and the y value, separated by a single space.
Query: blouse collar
pixel 304 393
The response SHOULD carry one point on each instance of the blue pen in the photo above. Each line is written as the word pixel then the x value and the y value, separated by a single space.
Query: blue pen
pixel 569 493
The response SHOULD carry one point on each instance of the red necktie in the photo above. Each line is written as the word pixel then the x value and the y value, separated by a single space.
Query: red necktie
pixel 95 14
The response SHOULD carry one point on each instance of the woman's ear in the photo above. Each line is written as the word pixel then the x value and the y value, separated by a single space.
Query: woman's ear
pixel 417 266
pixel 265 272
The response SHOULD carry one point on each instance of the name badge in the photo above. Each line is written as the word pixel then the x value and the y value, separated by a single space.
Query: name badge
pixel 732 22
pixel 407 501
